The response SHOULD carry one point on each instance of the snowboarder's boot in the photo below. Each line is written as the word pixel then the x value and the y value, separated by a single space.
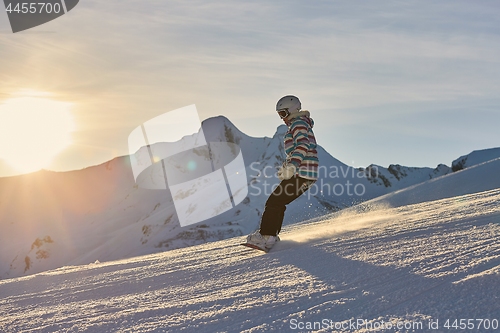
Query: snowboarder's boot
pixel 265 242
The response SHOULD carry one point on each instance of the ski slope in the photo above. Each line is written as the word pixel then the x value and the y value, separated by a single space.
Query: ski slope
pixel 54 219
pixel 410 259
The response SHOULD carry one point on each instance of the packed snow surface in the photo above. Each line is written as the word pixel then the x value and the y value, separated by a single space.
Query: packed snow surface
pixel 54 219
pixel 423 256
pixel 415 265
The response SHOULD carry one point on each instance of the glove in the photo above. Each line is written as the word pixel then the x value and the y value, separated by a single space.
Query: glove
pixel 287 171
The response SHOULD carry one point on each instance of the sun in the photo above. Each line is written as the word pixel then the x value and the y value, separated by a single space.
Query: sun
pixel 33 130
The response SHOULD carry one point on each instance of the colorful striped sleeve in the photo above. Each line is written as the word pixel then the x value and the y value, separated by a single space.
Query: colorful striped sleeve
pixel 300 137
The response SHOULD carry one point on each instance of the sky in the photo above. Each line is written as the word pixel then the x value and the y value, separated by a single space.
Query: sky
pixel 387 82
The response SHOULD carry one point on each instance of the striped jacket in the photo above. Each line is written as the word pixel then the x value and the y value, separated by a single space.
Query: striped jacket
pixel 300 145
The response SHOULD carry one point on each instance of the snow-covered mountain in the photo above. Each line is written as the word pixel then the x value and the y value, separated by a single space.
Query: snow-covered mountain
pixel 51 219
pixel 417 260
pixel 474 158
pixel 477 178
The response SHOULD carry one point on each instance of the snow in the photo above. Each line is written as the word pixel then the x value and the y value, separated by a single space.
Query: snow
pixel 99 213
pixel 417 257
pixel 474 158
pixel 477 178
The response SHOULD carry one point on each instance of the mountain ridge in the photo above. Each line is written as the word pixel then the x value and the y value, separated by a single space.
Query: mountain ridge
pixel 99 213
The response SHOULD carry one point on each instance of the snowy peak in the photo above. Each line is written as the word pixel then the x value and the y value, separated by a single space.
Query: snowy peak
pixel 478 178
pixel 401 172
pixel 221 129
pixel 397 176
pixel 474 158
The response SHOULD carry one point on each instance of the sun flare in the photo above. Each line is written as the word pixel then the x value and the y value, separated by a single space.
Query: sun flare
pixel 34 129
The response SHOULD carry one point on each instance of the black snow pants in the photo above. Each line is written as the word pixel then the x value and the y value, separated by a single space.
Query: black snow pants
pixel 286 192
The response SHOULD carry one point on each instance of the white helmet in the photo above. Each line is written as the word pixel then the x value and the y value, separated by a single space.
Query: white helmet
pixel 287 105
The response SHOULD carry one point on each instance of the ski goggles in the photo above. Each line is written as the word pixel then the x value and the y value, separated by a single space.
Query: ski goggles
pixel 283 113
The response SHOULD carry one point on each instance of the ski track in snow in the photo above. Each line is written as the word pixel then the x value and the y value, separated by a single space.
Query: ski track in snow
pixel 433 260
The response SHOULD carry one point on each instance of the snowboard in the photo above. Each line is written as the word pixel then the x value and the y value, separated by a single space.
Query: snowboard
pixel 252 246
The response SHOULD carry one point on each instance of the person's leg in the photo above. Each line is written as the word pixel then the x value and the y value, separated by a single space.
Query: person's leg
pixel 274 211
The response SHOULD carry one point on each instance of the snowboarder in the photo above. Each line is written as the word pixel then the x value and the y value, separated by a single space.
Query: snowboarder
pixel 298 172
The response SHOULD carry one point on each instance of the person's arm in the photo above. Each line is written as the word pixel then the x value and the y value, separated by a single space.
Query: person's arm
pixel 299 130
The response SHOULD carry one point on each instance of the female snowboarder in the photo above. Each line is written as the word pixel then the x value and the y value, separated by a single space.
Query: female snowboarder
pixel 298 172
